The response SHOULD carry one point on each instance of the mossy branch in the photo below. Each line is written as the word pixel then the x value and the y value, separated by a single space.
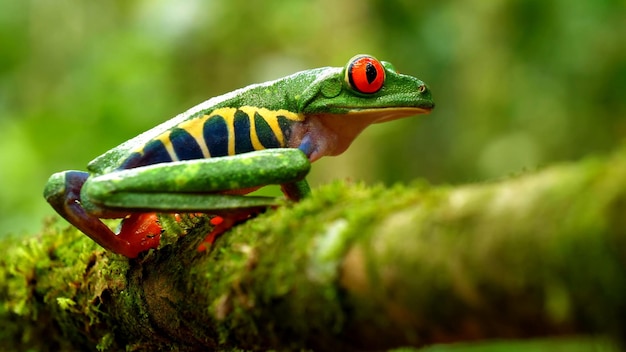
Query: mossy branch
pixel 352 267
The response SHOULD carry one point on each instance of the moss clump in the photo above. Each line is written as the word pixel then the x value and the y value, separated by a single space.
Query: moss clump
pixel 52 285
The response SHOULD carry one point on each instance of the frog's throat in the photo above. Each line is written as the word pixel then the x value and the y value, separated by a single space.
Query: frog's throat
pixel 333 133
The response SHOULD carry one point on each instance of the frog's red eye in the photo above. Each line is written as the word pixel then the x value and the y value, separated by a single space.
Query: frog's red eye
pixel 365 74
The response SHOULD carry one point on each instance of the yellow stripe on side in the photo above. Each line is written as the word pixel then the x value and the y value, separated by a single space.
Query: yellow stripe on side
pixel 254 137
pixel 195 127
pixel 167 143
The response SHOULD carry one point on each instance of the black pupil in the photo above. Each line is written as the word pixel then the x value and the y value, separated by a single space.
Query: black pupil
pixel 370 72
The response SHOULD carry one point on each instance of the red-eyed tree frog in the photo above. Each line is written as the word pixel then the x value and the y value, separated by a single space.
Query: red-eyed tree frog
pixel 205 159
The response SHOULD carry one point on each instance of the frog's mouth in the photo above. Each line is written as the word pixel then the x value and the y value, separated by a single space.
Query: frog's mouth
pixel 371 116
pixel 355 121
pixel 334 133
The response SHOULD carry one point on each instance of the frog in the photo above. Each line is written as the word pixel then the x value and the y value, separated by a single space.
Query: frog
pixel 210 157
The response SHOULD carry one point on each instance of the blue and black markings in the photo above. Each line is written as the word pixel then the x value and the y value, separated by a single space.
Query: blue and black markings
pixel 185 146
pixel 225 131
pixel 241 126
pixel 215 132
pixel 264 132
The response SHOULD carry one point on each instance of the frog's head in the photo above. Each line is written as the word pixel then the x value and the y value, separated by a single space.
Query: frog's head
pixel 366 91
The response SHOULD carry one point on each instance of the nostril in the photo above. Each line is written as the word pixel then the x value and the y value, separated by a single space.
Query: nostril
pixel 422 88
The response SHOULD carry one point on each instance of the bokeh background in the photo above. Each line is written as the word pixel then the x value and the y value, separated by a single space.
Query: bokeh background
pixel 518 84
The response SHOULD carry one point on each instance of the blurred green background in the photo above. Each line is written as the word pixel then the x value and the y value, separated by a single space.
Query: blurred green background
pixel 518 84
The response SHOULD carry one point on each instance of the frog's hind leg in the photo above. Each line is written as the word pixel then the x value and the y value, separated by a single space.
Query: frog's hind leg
pixel 212 186
pixel 223 223
pixel 63 193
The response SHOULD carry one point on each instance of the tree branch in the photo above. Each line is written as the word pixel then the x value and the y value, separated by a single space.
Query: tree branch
pixel 352 267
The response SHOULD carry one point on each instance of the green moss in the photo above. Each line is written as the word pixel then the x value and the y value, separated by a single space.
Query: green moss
pixel 568 344
pixel 372 261
pixel 297 250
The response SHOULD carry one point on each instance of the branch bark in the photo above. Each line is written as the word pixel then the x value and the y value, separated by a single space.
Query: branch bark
pixel 354 267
